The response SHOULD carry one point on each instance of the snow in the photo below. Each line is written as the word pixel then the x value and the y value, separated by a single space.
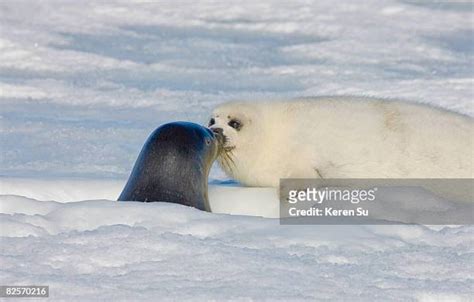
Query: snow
pixel 82 86
pixel 101 249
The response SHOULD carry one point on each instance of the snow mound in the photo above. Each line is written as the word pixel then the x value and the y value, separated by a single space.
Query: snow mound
pixel 103 249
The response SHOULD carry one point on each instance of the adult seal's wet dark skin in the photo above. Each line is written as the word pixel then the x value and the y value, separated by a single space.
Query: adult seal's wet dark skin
pixel 173 166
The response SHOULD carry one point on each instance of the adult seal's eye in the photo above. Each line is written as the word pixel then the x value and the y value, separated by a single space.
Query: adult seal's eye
pixel 236 124
pixel 212 122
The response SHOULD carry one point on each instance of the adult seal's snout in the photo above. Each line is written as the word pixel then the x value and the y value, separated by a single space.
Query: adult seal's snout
pixel 173 166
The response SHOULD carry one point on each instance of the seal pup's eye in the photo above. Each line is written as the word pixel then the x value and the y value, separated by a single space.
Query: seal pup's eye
pixel 236 124
pixel 212 122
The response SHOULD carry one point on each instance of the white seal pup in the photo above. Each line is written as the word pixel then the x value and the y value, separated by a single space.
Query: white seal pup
pixel 342 137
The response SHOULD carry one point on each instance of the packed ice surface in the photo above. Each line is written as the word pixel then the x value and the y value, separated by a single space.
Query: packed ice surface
pixel 82 86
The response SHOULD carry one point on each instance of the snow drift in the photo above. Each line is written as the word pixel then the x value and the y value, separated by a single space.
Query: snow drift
pixel 125 250
pixel 104 249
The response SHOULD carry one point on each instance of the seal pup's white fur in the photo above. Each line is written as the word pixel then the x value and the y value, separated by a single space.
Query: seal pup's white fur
pixel 342 137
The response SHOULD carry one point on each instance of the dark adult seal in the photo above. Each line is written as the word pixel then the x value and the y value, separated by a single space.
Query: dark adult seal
pixel 173 166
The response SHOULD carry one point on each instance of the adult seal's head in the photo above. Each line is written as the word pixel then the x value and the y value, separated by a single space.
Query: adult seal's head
pixel 173 166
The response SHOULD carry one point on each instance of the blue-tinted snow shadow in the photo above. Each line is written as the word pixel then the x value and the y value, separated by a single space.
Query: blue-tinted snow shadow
pixel 441 4
pixel 196 58
pixel 193 47
pixel 461 42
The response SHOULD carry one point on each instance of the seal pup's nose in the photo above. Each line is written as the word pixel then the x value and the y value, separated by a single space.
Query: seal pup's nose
pixel 219 134
pixel 218 131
